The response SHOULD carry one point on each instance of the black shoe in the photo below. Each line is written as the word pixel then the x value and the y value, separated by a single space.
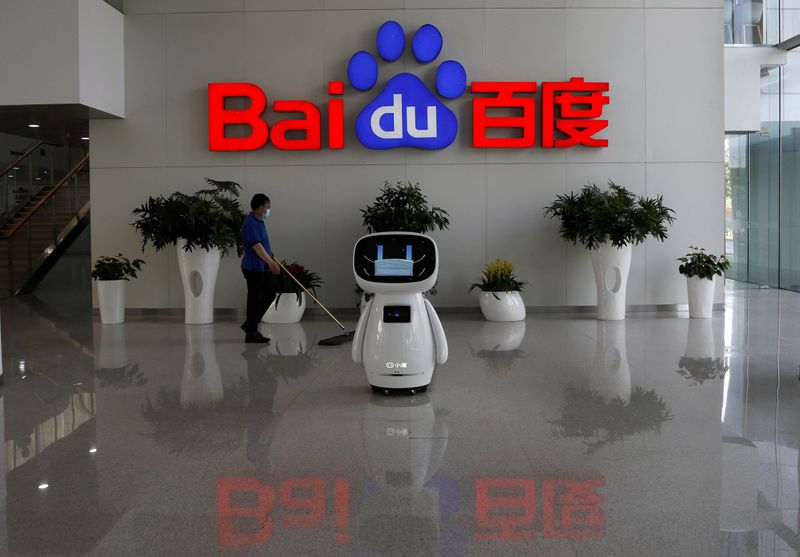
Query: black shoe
pixel 243 327
pixel 256 337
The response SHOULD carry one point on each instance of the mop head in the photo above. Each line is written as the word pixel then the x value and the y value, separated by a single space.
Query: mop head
pixel 337 340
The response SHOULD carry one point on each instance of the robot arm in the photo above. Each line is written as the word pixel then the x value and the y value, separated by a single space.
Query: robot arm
pixel 357 351
pixel 438 334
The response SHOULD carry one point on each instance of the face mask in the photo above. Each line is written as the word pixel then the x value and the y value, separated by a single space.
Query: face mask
pixel 266 214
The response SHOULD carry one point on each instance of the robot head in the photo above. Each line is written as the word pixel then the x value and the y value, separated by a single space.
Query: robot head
pixel 396 262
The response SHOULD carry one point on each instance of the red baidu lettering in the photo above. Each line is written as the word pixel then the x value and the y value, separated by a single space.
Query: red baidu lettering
pixel 313 504
pixel 505 508
pixel 219 117
pixel 572 509
pixel 561 111
pixel 504 91
pixel 258 517
pixel 335 116
pixel 309 125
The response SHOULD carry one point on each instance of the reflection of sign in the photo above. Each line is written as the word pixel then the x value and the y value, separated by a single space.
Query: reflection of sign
pixel 505 508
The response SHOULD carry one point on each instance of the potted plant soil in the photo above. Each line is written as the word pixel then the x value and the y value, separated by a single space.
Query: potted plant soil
pixel 290 301
pixel 701 269
pixel 608 223
pixel 203 227
pixel 111 274
pixel 401 208
pixel 500 298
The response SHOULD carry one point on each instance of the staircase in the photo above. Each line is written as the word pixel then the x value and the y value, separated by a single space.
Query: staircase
pixel 36 232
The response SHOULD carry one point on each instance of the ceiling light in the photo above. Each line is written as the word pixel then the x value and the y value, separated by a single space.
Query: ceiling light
pixel 33 125
pixel 43 486
pixel 93 450
pixel 85 138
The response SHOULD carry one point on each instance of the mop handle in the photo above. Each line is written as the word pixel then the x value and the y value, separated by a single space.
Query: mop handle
pixel 310 294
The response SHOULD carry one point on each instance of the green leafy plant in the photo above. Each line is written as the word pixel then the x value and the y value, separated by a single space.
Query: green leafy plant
pixel 285 285
pixel 587 414
pixel 403 207
pixel 498 276
pixel 698 263
pixel 209 219
pixel 118 267
pixel 594 216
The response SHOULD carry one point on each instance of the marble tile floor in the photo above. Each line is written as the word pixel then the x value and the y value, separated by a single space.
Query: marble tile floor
pixel 559 435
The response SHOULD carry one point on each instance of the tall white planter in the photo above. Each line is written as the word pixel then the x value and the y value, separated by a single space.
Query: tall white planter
pixel 111 298
pixel 502 306
pixel 701 297
pixel 199 269
pixel 286 310
pixel 611 267
pixel 201 384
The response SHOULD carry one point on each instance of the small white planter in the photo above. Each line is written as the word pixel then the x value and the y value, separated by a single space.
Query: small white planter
pixel 201 384
pixel 611 267
pixel 701 297
pixel 199 269
pixel 111 298
pixel 502 306
pixel 286 310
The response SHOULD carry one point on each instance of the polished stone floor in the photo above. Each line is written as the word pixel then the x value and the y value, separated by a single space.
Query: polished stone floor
pixel 555 436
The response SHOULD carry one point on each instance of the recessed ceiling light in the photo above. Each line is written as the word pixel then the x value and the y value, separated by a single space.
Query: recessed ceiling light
pixel 43 486
pixel 85 138
pixel 93 450
pixel 33 125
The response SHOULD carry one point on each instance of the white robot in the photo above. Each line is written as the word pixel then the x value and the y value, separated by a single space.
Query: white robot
pixel 399 337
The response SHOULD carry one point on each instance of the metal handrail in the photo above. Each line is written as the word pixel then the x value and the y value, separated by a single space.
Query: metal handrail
pixel 21 158
pixel 72 172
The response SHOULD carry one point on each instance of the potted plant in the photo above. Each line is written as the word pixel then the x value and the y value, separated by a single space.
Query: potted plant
pixel 700 269
pixel 402 208
pixel 203 227
pixel 111 274
pixel 608 223
pixel 290 301
pixel 500 298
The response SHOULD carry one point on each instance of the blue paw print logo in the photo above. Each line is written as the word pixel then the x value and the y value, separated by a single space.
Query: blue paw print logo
pixel 406 113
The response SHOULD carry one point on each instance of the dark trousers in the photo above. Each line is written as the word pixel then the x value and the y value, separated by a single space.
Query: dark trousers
pixel 260 294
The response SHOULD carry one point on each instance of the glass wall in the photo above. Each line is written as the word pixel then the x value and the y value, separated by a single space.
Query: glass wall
pixel 736 204
pixel 752 21
pixel 790 174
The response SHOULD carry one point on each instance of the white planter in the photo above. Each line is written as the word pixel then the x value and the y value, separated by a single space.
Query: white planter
pixel 701 297
pixel 286 310
pixel 611 373
pixel 199 270
pixel 611 267
pixel 111 298
pixel 502 306
pixel 501 337
pixel 201 384
pixel 287 339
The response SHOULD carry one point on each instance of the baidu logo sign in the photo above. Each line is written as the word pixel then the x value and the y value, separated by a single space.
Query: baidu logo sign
pixel 409 113
pixel 406 113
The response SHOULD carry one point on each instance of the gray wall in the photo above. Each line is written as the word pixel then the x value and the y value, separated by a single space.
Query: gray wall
pixel 663 59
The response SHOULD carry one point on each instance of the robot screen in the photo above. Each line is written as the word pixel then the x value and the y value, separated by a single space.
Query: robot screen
pixel 395 258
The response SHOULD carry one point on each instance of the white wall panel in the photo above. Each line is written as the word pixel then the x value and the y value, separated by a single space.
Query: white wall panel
pixel 201 49
pixel 515 199
pixel 598 48
pixel 115 192
pixel 140 139
pixel 684 87
pixel 693 191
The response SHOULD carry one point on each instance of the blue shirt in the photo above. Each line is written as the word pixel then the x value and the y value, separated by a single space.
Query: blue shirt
pixel 253 232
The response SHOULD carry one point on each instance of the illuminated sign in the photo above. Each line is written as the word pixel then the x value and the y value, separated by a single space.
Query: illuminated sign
pixel 407 113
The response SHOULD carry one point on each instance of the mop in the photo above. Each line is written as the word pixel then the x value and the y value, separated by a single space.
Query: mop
pixel 347 336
